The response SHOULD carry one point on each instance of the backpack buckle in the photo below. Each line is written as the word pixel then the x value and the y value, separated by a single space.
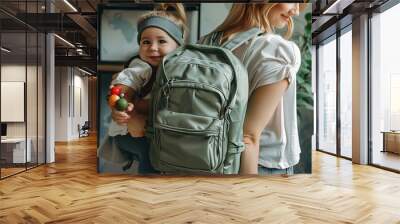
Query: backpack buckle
pixel 167 87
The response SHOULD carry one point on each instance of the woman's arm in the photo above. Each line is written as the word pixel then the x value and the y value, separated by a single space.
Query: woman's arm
pixel 261 106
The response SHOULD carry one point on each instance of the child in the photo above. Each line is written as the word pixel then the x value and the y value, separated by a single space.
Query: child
pixel 159 33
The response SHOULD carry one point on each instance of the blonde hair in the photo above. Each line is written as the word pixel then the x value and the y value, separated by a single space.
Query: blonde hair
pixel 242 17
pixel 175 12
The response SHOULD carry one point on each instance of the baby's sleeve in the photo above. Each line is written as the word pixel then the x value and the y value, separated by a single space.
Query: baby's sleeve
pixel 135 76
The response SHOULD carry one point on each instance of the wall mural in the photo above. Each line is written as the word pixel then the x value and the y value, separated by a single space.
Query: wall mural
pixel 166 149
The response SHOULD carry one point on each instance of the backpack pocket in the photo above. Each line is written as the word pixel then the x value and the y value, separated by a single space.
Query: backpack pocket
pixel 188 97
pixel 188 142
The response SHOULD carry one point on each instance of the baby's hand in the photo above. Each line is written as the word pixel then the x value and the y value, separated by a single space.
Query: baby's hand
pixel 122 117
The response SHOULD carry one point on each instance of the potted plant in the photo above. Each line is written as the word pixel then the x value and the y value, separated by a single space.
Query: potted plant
pixel 305 102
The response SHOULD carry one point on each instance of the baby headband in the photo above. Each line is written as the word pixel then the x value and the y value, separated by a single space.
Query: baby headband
pixel 166 25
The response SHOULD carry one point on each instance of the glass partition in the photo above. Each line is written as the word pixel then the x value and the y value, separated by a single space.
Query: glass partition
pixel 13 88
pixel 22 92
pixel 346 94
pixel 327 96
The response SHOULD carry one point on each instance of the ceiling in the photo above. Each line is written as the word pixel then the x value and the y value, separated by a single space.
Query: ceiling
pixel 76 22
pixel 332 15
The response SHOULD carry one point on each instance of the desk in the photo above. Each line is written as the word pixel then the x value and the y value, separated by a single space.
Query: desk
pixel 15 148
pixel 391 141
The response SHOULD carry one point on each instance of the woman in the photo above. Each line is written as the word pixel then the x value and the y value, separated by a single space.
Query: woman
pixel 270 127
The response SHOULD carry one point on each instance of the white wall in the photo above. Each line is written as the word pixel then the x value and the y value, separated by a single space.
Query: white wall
pixel 33 127
pixel 13 72
pixel 16 73
pixel 61 104
pixel 71 94
pixel 80 111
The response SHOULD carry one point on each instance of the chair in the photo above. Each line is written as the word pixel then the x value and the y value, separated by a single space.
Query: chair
pixel 84 129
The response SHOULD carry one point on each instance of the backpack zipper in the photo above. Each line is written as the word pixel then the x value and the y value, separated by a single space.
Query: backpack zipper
pixel 185 130
pixel 172 83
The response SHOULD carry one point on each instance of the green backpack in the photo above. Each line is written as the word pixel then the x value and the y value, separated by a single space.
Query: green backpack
pixel 197 108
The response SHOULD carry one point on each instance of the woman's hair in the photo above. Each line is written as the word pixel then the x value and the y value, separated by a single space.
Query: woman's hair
pixel 242 17
pixel 175 12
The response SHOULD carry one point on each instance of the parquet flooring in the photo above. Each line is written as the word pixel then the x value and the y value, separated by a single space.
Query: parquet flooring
pixel 7 171
pixel 71 191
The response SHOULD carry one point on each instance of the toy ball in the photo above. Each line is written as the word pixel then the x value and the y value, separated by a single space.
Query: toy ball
pixel 115 90
pixel 121 104
pixel 112 100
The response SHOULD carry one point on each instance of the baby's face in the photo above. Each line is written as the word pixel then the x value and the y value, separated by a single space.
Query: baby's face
pixel 154 45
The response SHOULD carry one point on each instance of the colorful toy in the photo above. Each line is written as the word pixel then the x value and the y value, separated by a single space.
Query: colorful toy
pixel 112 100
pixel 117 99
pixel 121 104
pixel 116 90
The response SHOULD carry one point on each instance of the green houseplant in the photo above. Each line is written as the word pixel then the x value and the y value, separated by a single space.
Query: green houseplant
pixel 304 90
pixel 305 98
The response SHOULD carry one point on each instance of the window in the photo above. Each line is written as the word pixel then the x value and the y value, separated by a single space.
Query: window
pixel 327 97
pixel 346 75
pixel 385 87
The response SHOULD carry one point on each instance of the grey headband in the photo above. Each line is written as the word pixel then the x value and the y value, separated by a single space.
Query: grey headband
pixel 165 24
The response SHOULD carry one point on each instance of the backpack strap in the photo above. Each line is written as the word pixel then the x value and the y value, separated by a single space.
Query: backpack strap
pixel 211 39
pixel 146 89
pixel 240 38
pixel 214 39
pixel 232 44
pixel 232 95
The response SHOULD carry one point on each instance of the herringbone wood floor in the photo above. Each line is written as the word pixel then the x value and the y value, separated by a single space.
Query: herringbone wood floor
pixel 70 191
